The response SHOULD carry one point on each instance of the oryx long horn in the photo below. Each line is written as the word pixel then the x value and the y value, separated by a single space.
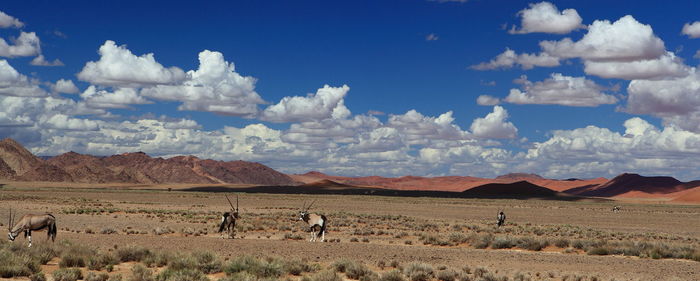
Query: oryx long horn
pixel 229 202
pixel 303 206
pixel 9 225
pixel 312 203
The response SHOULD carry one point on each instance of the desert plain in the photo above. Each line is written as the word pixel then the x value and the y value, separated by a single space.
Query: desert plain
pixel 447 238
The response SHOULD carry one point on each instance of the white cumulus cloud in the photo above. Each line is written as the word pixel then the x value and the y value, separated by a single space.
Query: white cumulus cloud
pixel 117 66
pixel 494 125
pixel 675 100
pixel 545 17
pixel 26 45
pixel 692 29
pixel 64 86
pixel 13 83
pixel 326 103
pixel 623 40
pixel 214 87
pixel 487 100
pixel 41 61
pixel 509 59
pixel 120 98
pixel 666 66
pixel 562 90
pixel 7 21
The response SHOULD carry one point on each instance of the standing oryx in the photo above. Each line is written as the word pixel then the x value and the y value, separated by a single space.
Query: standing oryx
pixel 29 223
pixel 616 209
pixel 228 219
pixel 501 218
pixel 314 221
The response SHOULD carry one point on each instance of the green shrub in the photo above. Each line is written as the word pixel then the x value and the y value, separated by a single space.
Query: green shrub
pixel 181 275
pixel 297 267
pixel 360 271
pixel 481 241
pixel 261 269
pixel 599 251
pixel 341 265
pixel 141 273
pixel 207 262
pixel 71 260
pixel 39 276
pixel 93 276
pixel 326 275
pixel 394 275
pixel 447 275
pixel 458 237
pixel 133 253
pixel 561 243
pixel 17 264
pixel 502 243
pixel 240 276
pixel 43 253
pixel 480 272
pixel 418 271
pixel 157 259
pixel 270 268
pixel 67 274
pixel 98 262
pixel 240 264
pixel 532 243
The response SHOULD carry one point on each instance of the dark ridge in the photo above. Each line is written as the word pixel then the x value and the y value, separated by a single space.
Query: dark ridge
pixel 540 194
pixel 521 188
pixel 633 182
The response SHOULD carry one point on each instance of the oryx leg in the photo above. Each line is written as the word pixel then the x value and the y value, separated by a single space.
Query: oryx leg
pixel 29 235
pixel 323 236
pixel 313 234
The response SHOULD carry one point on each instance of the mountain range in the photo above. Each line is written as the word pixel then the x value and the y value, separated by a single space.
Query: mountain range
pixel 19 164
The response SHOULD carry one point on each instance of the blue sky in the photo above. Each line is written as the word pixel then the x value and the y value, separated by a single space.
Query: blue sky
pixel 620 95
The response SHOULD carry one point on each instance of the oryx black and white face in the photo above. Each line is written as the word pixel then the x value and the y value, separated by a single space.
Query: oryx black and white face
pixel 302 215
pixel 11 235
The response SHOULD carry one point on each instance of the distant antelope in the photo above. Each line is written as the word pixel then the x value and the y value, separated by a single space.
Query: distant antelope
pixel 29 223
pixel 314 221
pixel 616 209
pixel 228 219
pixel 501 218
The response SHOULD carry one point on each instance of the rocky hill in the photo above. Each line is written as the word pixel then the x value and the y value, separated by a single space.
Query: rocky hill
pixel 17 163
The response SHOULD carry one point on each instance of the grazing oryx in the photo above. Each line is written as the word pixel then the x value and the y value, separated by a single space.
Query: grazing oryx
pixel 501 218
pixel 616 209
pixel 314 221
pixel 228 219
pixel 29 223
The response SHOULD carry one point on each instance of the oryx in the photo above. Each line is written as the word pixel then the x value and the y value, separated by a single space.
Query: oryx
pixel 500 218
pixel 314 221
pixel 616 209
pixel 29 223
pixel 228 219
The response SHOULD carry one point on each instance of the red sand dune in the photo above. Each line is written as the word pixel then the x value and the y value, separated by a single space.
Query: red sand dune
pixel 689 195
pixel 635 186
pixel 447 183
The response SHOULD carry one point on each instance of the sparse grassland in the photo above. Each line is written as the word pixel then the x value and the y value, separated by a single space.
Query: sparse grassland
pixel 160 235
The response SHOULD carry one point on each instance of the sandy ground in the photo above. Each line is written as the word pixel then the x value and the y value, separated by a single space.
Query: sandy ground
pixel 679 222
